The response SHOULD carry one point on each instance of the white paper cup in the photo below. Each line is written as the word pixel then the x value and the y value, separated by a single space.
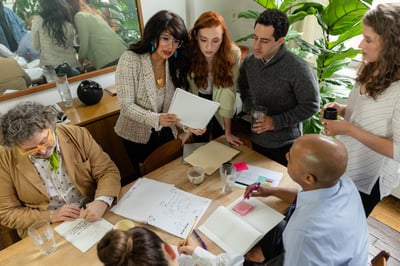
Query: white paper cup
pixel 196 175
pixel 124 224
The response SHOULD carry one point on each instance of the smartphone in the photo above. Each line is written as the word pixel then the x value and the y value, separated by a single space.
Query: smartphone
pixel 243 208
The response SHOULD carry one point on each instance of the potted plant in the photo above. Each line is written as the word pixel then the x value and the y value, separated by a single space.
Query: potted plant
pixel 339 20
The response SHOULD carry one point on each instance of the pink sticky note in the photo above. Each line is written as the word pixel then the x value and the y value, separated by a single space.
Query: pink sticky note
pixel 240 166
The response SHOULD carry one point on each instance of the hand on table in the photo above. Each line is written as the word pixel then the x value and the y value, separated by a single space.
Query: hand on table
pixel 65 213
pixel 94 211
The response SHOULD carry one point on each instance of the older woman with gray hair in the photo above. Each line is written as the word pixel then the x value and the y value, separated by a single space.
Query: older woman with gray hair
pixel 50 171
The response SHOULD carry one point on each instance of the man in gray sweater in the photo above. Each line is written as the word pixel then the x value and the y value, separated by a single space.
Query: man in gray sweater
pixel 280 81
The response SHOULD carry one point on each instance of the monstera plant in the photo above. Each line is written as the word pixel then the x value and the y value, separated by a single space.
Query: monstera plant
pixel 339 20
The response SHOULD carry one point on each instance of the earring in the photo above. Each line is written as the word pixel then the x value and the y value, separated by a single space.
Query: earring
pixel 176 54
pixel 152 47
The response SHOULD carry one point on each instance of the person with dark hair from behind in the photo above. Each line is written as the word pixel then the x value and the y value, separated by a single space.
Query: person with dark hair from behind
pixel 325 224
pixel 146 77
pixel 282 82
pixel 97 41
pixel 13 76
pixel 371 125
pixel 141 246
pixel 53 34
pixel 12 28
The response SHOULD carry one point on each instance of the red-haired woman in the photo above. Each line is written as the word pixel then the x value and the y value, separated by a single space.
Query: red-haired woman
pixel 214 71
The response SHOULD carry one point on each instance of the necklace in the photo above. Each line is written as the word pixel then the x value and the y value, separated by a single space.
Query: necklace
pixel 159 81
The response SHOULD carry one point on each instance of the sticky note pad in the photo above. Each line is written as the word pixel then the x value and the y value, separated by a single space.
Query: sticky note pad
pixel 265 181
pixel 240 166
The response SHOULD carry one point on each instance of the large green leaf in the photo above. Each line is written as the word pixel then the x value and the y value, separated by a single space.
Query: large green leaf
pixel 341 15
pixel 354 31
pixel 333 57
pixel 249 14
pixel 330 69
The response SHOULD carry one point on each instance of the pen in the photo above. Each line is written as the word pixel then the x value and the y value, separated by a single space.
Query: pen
pixel 253 188
pixel 190 231
pixel 203 245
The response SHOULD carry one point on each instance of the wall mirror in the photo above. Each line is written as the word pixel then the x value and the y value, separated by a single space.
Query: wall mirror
pixel 124 16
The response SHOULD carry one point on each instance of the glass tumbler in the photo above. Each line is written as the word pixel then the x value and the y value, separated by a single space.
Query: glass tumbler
pixel 63 89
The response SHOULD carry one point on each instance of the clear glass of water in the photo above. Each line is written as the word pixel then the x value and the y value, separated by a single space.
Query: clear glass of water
pixel 42 235
pixel 257 112
pixel 227 173
pixel 63 89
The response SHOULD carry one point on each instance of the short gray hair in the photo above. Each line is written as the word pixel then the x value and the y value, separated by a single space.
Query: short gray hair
pixel 24 121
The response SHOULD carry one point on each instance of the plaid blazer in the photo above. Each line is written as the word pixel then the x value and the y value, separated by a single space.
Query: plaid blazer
pixel 137 96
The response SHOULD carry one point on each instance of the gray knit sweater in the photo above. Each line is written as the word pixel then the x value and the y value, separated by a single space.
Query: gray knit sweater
pixel 288 87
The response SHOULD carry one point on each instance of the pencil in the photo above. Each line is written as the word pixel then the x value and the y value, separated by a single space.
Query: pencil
pixel 190 231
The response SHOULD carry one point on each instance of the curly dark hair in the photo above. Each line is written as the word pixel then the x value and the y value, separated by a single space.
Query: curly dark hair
pixel 385 21
pixel 167 21
pixel 275 18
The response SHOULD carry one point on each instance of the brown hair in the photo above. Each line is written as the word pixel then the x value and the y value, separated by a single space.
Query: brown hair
pixel 385 21
pixel 222 68
pixel 137 246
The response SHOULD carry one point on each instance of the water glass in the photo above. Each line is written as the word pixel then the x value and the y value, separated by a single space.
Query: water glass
pixel 257 112
pixel 227 173
pixel 63 89
pixel 42 235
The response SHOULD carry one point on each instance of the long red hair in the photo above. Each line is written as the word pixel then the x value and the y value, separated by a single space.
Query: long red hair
pixel 223 61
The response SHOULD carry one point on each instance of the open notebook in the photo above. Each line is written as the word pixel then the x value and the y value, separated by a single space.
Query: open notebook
pixel 235 233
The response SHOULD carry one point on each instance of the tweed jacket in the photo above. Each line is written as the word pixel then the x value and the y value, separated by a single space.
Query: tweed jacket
pixel 137 96
pixel 226 97
pixel 23 197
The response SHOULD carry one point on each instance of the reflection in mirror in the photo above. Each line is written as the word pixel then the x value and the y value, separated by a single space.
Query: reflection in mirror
pixel 123 17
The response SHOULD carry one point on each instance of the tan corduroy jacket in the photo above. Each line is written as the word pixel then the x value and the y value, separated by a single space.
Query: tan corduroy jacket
pixel 23 197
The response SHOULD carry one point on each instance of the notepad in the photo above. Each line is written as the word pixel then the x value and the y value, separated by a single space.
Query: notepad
pixel 192 110
pixel 235 233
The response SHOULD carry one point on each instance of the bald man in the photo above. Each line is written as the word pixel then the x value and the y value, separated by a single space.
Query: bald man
pixel 327 225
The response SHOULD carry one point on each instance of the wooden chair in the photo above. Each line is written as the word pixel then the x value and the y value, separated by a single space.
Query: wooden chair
pixel 162 155
pixel 380 259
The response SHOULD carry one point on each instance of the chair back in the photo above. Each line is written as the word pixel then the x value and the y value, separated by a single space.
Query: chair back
pixel 162 155
pixel 380 259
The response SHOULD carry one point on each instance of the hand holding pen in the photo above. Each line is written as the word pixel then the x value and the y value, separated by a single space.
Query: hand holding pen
pixel 250 189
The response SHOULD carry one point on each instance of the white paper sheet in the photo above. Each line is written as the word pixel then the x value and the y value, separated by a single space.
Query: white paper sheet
pixel 194 111
pixel 258 174
pixel 161 205
pixel 83 234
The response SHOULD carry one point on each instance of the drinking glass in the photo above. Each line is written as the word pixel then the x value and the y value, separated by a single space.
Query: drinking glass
pixel 227 173
pixel 49 73
pixel 42 235
pixel 257 112
pixel 63 89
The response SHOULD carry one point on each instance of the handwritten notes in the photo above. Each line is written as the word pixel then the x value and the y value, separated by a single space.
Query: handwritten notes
pixel 83 234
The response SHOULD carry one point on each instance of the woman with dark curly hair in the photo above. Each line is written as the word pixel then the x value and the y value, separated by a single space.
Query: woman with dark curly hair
pixel 214 72
pixel 53 34
pixel 371 125
pixel 140 246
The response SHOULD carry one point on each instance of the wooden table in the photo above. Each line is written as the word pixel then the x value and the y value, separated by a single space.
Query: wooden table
pixel 25 253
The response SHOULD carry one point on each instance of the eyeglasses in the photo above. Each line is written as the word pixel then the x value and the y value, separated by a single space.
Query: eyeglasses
pixel 48 143
pixel 165 40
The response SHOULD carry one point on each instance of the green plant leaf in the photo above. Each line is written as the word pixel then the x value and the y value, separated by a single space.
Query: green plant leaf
pixel 354 31
pixel 334 57
pixel 330 69
pixel 267 3
pixel 341 15
pixel 249 14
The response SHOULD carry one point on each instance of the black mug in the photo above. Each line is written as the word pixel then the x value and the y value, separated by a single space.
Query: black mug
pixel 330 113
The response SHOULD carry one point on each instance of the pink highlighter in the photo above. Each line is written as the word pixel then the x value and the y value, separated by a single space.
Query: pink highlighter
pixel 254 188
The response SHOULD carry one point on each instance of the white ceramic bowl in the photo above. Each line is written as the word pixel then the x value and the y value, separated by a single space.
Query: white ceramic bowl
pixel 124 224
pixel 196 175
